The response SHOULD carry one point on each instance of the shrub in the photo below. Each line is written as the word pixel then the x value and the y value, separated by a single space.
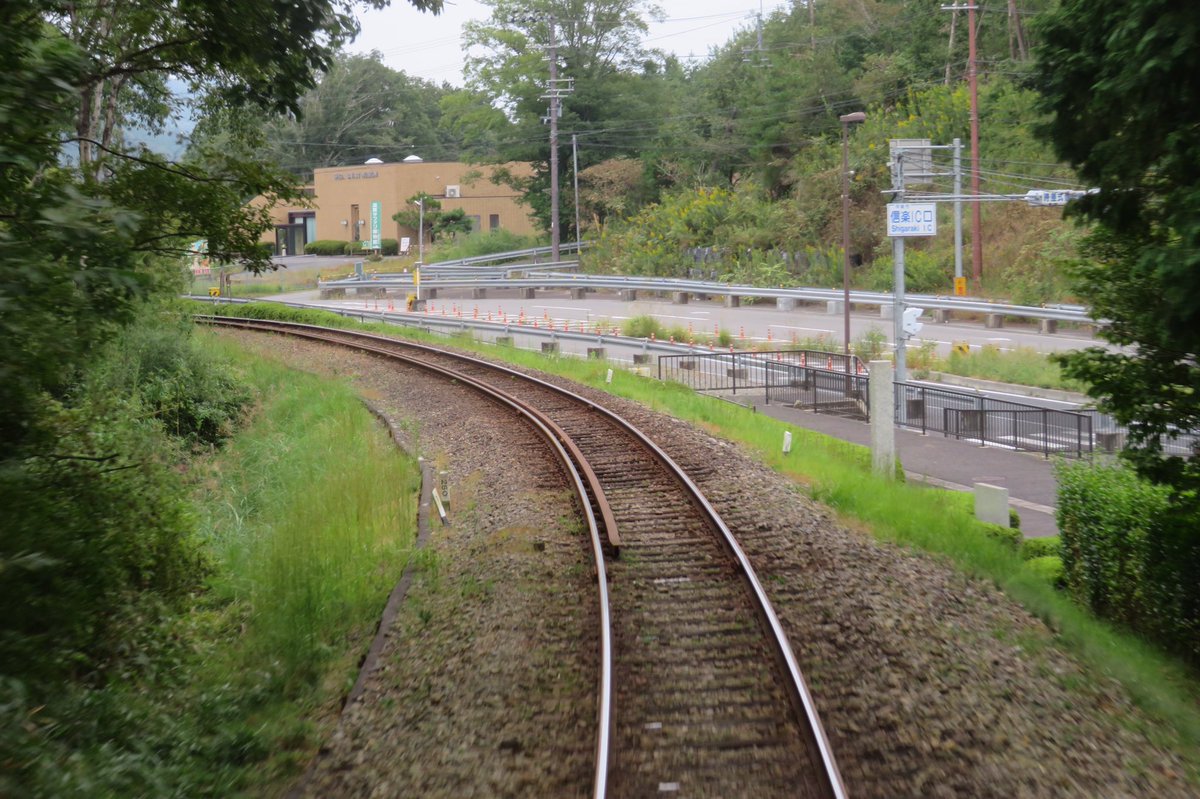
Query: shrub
pixel 327 247
pixel 643 327
pixel 1041 547
pixel 1008 536
pixel 390 246
pixel 1131 553
pixel 923 274
pixel 1048 567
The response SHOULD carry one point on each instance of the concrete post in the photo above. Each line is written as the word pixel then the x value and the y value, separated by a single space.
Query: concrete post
pixel 479 294
pixel 993 320
pixel 528 294
pixel 991 504
pixel 1048 326
pixel 941 315
pixel 627 295
pixel 733 301
pixel 833 307
pixel 578 294
pixel 883 421
pixel 679 297
pixel 785 303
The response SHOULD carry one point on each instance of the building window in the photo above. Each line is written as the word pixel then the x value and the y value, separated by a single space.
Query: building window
pixel 474 222
pixel 493 221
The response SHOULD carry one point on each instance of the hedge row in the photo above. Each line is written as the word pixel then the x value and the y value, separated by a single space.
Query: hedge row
pixel 1130 554
pixel 335 247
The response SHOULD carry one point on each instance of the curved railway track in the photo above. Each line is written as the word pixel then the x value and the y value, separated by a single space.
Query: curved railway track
pixel 699 690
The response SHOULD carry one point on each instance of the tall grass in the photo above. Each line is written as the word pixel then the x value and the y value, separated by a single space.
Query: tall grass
pixel 310 522
pixel 307 518
pixel 1022 366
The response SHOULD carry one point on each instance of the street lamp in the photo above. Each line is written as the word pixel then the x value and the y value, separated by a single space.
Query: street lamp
pixel 847 120
pixel 420 203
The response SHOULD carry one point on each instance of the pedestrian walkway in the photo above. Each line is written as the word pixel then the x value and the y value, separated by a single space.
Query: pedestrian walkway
pixel 949 463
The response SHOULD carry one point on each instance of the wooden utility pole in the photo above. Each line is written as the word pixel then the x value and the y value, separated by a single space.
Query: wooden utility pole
pixel 973 78
pixel 973 82
pixel 554 93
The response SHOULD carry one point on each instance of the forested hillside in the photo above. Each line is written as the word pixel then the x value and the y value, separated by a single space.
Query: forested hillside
pixel 739 151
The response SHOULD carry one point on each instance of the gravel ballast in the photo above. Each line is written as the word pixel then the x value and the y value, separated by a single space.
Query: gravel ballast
pixel 929 683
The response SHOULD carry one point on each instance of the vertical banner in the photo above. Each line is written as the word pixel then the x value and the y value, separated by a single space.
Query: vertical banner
pixel 376 225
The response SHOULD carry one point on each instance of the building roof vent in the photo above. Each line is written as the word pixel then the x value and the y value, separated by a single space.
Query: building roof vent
pixel 374 161
pixel 413 159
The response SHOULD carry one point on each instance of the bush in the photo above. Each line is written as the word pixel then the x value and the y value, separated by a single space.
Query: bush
pixel 179 384
pixel 327 247
pixel 923 274
pixel 1009 536
pixel 1131 553
pixel 1041 547
pixel 1048 567
pixel 390 246
pixel 643 327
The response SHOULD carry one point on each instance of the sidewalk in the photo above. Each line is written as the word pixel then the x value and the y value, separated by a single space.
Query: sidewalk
pixel 950 463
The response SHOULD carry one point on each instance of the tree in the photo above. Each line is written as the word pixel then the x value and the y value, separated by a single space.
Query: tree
pixel 134 46
pixel 360 109
pixel 1118 78
pixel 598 46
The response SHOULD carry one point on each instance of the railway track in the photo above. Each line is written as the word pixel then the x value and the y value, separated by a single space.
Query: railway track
pixel 699 691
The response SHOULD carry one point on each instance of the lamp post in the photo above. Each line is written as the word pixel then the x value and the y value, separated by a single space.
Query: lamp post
pixel 847 120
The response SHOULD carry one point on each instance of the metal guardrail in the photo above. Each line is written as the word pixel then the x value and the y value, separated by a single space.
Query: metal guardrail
pixel 544 279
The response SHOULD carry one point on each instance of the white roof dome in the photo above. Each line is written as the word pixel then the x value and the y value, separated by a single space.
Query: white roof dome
pixel 413 159
pixel 374 161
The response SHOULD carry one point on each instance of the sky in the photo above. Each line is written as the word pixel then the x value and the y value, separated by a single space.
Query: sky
pixel 429 47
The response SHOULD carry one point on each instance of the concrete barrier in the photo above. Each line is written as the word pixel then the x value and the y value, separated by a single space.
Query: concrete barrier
pixel 941 315
pixel 733 301
pixel 627 295
pixel 993 320
pixel 479 294
pixel 887 312
pixel 679 297
pixel 833 307
pixel 1047 326
pixel 528 294
pixel 785 303
pixel 991 504
pixel 578 294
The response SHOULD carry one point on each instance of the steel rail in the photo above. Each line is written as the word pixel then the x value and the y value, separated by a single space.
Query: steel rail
pixel 572 460
pixel 800 697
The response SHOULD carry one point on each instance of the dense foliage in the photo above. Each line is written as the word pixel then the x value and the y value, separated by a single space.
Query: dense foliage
pixel 1117 78
pixel 1129 556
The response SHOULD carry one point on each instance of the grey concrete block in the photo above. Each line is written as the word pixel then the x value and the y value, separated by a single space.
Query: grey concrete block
pixel 785 303
pixel 733 301
pixel 994 320
pixel 991 504
pixel 679 297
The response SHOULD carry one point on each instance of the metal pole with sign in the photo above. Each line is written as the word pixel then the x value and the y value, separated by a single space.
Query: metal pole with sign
pixel 905 220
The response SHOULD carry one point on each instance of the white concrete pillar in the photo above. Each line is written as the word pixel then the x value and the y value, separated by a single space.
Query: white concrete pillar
pixel 883 419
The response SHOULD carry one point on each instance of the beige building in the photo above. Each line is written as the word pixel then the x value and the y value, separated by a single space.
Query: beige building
pixel 343 198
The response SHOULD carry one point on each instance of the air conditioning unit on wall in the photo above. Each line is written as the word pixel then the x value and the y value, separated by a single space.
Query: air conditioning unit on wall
pixel 452 192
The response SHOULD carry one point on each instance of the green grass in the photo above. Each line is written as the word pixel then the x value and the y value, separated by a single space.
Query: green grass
pixel 1021 366
pixel 935 521
pixel 308 518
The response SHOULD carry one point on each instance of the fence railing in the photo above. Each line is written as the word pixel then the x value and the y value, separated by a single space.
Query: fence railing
pixel 736 371
pixel 821 382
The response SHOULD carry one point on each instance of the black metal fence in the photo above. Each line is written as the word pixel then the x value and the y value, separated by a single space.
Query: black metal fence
pixel 821 382
pixel 738 371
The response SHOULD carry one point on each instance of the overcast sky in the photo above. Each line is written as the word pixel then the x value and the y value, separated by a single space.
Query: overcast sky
pixel 430 47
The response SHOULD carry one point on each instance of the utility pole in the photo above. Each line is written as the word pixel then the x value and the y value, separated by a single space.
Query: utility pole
pixel 575 176
pixel 554 93
pixel 958 264
pixel 973 82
